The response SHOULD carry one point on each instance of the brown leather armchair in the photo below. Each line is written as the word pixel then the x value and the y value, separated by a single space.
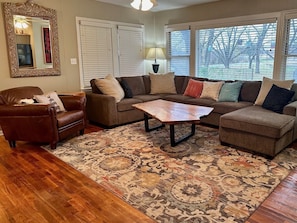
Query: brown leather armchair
pixel 39 122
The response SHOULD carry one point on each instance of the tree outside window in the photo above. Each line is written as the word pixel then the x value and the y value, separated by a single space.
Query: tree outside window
pixel 237 52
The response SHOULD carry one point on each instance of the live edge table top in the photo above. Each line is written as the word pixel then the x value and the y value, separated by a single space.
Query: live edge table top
pixel 169 112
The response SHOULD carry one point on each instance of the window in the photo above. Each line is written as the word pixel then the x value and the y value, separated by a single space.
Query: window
pixel 178 51
pixel 131 51
pixel 108 48
pixel 96 52
pixel 290 53
pixel 244 52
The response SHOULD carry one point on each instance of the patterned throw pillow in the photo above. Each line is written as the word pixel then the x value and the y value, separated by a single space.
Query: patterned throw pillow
pixel 194 88
pixel 51 98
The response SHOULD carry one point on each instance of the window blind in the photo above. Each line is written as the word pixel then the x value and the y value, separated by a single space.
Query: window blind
pixel 178 51
pixel 96 53
pixel 236 52
pixel 290 52
pixel 131 49
pixel 109 48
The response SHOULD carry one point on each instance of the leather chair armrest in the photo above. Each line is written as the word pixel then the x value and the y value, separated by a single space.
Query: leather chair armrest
pixel 27 110
pixel 73 102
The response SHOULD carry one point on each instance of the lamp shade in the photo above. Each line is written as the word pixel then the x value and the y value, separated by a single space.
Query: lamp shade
pixel 155 53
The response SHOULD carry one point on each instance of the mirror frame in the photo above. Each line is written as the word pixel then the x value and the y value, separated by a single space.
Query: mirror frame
pixel 32 10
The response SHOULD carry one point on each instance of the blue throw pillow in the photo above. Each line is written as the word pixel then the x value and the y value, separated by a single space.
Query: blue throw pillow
pixel 230 91
pixel 277 98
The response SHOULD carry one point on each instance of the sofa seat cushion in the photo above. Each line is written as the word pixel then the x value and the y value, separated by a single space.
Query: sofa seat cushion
pixel 69 117
pixel 147 97
pixel 126 104
pixel 259 121
pixel 225 107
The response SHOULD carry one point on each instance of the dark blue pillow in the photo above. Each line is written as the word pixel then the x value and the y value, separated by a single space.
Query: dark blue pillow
pixel 277 98
pixel 127 89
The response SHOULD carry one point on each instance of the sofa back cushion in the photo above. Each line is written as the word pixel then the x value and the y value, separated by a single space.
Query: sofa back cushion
pixel 249 91
pixel 95 89
pixel 294 88
pixel 180 83
pixel 147 83
pixel 136 84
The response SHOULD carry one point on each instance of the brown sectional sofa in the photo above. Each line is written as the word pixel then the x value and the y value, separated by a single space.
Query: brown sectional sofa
pixel 240 123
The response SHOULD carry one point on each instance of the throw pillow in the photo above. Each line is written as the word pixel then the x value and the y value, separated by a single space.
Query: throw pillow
pixel 230 91
pixel 110 86
pixel 194 88
pixel 266 86
pixel 51 98
pixel 126 88
pixel 162 83
pixel 211 90
pixel 277 98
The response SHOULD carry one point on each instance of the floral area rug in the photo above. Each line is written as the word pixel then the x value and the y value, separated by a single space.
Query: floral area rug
pixel 199 180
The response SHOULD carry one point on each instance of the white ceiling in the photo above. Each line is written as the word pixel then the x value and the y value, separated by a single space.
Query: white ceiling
pixel 162 4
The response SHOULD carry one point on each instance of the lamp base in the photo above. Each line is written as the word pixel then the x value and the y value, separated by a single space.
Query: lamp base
pixel 156 67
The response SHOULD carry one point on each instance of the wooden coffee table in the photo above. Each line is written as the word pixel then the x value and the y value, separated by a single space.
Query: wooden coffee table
pixel 172 113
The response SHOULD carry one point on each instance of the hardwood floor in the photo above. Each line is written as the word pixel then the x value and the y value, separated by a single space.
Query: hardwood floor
pixel 37 187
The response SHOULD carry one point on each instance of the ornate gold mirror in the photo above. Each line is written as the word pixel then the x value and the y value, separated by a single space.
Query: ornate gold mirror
pixel 32 39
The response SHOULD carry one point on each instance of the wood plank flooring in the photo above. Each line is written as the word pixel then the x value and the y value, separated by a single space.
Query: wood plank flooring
pixel 37 187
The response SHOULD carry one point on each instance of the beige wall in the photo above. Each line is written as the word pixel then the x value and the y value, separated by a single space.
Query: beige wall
pixel 67 10
pixel 224 9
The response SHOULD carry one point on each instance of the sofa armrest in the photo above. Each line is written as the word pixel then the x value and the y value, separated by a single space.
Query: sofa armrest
pixel 290 109
pixel 101 109
pixel 73 102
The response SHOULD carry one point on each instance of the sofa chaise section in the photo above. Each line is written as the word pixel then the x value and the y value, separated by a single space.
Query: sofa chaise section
pixel 257 129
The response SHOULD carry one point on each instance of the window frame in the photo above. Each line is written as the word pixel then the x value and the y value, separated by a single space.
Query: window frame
pixel 280 17
pixel 173 28
pixel 286 16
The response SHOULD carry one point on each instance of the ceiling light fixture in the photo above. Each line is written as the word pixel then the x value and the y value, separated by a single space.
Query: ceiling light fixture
pixel 143 5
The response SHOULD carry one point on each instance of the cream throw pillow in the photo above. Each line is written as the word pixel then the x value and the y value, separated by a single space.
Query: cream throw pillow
pixel 162 83
pixel 51 98
pixel 211 90
pixel 110 86
pixel 266 86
